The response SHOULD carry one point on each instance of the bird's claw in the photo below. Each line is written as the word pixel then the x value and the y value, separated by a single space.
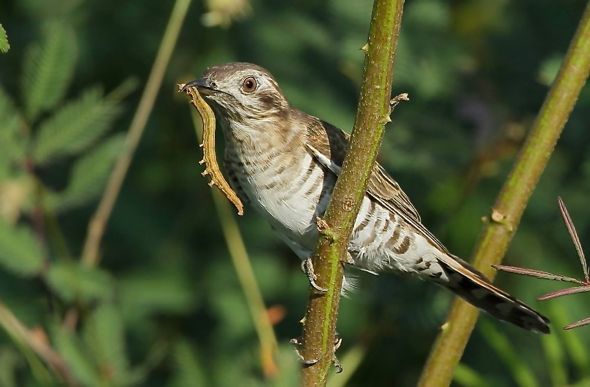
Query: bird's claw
pixel 305 362
pixel 309 362
pixel 335 361
pixel 307 268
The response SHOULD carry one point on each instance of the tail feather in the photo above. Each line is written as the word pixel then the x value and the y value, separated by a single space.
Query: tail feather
pixel 472 286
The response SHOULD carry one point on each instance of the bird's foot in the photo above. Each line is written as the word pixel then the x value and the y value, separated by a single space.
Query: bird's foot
pixel 309 362
pixel 325 229
pixel 307 268
pixel 335 361
pixel 305 362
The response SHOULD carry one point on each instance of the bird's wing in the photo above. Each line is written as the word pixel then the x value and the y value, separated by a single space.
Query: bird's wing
pixel 329 144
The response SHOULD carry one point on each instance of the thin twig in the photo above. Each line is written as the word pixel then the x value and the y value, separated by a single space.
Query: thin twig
pixel 537 274
pixel 98 223
pixel 564 292
pixel 584 284
pixel 577 324
pixel 22 334
pixel 574 235
pixel 372 115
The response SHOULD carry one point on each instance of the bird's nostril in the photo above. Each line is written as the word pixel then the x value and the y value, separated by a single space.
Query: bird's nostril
pixel 213 84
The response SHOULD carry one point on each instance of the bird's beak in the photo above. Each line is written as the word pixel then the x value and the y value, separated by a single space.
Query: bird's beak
pixel 204 85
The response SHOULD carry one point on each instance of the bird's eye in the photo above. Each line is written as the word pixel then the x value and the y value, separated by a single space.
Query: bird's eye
pixel 249 85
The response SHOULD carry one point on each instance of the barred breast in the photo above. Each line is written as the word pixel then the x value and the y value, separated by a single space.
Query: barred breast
pixel 287 187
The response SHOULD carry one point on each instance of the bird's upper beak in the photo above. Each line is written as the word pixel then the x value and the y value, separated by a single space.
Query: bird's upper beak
pixel 204 85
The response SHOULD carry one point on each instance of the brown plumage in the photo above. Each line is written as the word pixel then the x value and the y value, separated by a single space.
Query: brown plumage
pixel 285 162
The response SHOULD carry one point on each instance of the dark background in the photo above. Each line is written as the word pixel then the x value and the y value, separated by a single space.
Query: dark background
pixel 167 308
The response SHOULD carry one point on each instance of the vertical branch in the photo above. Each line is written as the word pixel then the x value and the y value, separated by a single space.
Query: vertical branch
pixel 331 251
pixel 512 200
pixel 98 222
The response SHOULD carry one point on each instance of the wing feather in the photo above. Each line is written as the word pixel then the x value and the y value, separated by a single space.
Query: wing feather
pixel 328 145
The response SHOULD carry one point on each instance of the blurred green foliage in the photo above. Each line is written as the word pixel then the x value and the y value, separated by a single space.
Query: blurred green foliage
pixel 4 45
pixel 165 307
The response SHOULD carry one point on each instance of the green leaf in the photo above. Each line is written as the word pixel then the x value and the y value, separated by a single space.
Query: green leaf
pixel 78 360
pixel 143 293
pixel 523 375
pixel 572 341
pixel 9 364
pixel 72 282
pixel 74 127
pixel 19 250
pixel 104 336
pixel 189 370
pixel 556 359
pixel 4 45
pixel 48 68
pixel 549 69
pixel 12 141
pixel 90 174
pixel 468 377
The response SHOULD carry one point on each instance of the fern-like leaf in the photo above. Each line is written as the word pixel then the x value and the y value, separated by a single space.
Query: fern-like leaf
pixel 77 359
pixel 75 126
pixel 105 337
pixel 19 250
pixel 12 141
pixel 189 370
pixel 72 282
pixel 90 174
pixel 4 45
pixel 48 69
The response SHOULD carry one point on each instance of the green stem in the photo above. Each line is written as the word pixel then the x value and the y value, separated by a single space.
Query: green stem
pixel 98 222
pixel 246 277
pixel 512 200
pixel 372 114
pixel 35 342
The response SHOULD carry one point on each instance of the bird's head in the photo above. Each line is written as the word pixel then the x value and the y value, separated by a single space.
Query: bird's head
pixel 242 92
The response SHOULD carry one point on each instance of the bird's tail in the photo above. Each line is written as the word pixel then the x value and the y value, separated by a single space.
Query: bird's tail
pixel 471 285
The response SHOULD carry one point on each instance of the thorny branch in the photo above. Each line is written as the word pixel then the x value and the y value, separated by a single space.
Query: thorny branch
pixel 584 284
pixel 319 339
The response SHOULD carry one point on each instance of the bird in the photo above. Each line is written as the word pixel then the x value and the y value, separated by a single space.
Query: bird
pixel 284 163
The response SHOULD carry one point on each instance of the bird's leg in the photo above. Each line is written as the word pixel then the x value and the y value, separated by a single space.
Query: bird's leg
pixel 309 362
pixel 307 268
pixel 305 362
pixel 337 344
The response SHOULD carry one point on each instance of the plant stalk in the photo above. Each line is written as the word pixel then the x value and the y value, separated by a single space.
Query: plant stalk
pixel 512 200
pixel 246 277
pixel 332 249
pixel 97 225
pixel 36 342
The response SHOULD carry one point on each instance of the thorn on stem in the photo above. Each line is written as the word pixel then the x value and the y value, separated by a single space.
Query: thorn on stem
pixel 500 218
pixel 394 102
